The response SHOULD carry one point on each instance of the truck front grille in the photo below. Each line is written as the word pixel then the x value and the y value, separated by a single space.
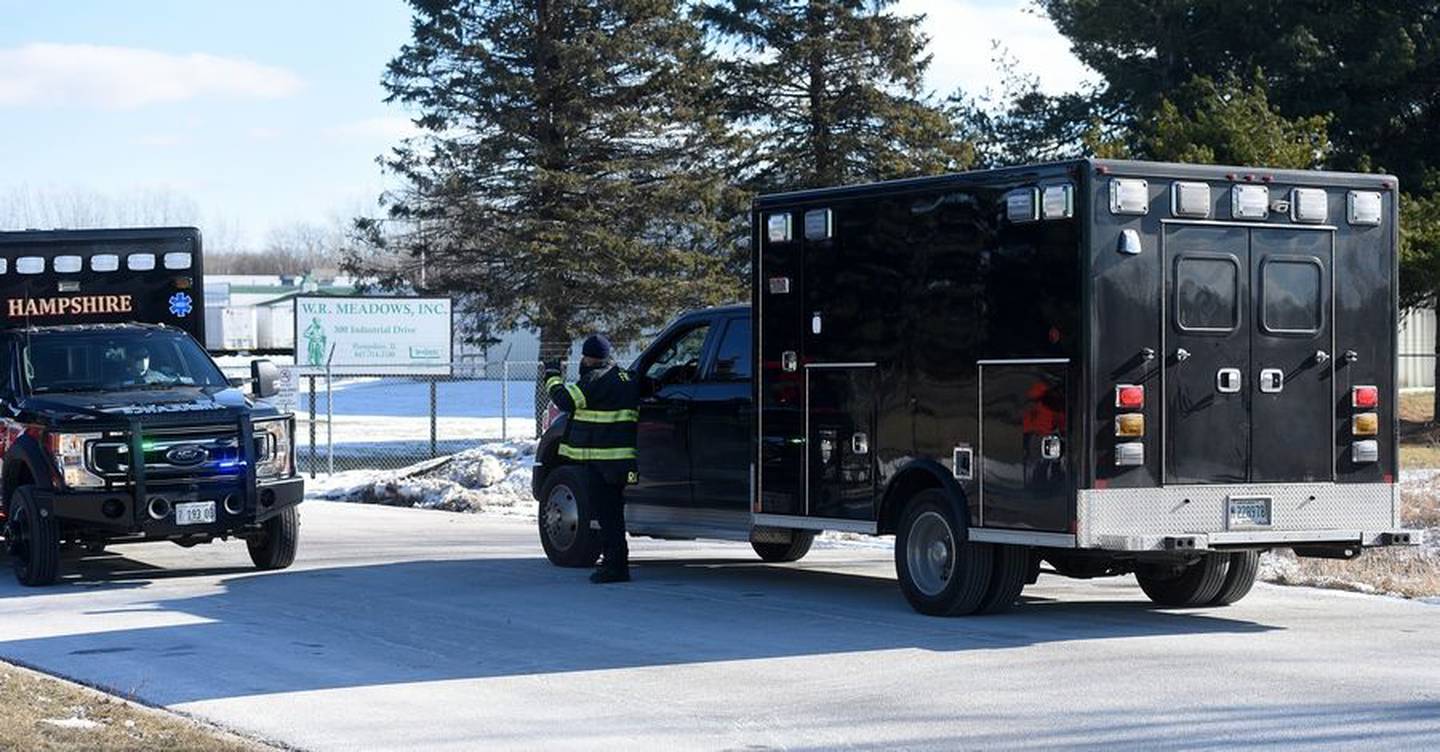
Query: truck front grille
pixel 174 452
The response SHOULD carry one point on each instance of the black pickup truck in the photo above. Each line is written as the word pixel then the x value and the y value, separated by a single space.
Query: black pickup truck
pixel 695 442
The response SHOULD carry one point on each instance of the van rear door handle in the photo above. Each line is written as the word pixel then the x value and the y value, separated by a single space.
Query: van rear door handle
pixel 1272 380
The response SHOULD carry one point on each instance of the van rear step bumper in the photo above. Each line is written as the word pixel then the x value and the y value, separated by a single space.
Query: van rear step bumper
pixel 1179 518
pixel 1286 539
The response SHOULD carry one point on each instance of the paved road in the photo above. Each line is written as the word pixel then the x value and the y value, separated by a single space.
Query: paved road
pixel 426 630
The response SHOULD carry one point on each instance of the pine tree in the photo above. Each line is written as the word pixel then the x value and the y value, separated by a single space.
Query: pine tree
pixel 831 92
pixel 568 173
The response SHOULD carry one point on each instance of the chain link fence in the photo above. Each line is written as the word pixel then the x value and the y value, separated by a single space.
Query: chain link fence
pixel 347 419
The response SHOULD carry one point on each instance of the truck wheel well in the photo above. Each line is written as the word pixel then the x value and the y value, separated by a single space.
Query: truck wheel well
pixel 16 474
pixel 906 485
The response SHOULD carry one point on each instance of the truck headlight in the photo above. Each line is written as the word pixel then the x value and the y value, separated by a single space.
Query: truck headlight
pixel 69 451
pixel 272 448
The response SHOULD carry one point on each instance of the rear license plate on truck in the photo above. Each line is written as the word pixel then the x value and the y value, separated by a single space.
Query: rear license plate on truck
pixel 195 513
pixel 1249 512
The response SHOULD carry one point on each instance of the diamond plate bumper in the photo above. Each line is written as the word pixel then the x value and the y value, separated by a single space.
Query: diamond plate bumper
pixel 1198 517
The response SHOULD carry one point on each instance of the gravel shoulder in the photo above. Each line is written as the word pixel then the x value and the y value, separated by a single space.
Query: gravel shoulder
pixel 41 712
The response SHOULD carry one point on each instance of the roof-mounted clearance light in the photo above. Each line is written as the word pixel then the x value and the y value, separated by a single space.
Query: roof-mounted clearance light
pixel 1021 205
pixel 819 224
pixel 1249 202
pixel 66 264
pixel 1364 207
pixel 30 264
pixel 1309 205
pixel 1190 200
pixel 1129 196
pixel 777 228
pixel 1058 201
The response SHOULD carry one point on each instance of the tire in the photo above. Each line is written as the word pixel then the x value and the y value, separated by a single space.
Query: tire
pixel 940 572
pixel 33 539
pixel 1010 572
pixel 1244 566
pixel 565 517
pixel 779 553
pixel 1193 585
pixel 279 537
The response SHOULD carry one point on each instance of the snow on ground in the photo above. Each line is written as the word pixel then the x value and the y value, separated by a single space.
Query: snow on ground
pixel 493 477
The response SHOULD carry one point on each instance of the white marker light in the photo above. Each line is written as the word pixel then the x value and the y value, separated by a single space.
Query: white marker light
pixel 1129 196
pixel 1309 205
pixel 1364 207
pixel 1058 202
pixel 1249 202
pixel 1020 205
pixel 778 228
pixel 1129 454
pixel 1190 200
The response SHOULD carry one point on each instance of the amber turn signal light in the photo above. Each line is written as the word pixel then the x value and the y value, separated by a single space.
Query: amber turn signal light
pixel 1365 424
pixel 1130 425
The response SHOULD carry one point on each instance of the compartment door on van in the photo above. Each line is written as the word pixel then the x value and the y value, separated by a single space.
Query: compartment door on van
pixel 1247 354
pixel 840 432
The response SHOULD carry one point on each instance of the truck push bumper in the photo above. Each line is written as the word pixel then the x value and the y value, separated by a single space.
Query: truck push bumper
pixel 1283 515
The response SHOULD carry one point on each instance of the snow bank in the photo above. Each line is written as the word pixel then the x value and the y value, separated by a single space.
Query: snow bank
pixel 493 477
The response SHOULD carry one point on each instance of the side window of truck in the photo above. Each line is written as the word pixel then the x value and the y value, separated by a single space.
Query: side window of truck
pixel 679 360
pixel 732 358
pixel 1207 293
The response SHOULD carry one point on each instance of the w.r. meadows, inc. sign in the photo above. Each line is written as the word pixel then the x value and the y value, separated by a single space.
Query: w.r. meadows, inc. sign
pixel 379 335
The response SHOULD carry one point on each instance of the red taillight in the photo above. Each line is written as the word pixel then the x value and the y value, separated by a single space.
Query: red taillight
pixel 1130 396
pixel 1364 396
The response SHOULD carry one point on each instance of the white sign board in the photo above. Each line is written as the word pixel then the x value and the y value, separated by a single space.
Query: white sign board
pixel 287 386
pixel 373 334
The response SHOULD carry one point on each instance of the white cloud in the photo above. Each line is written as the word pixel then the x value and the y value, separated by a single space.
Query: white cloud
pixel 385 128
pixel 122 78
pixel 962 36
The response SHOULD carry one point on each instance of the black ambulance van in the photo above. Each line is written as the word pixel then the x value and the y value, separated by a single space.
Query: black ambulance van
pixel 117 425
pixel 1107 367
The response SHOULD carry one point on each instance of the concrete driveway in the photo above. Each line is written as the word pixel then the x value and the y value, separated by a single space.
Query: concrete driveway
pixel 412 629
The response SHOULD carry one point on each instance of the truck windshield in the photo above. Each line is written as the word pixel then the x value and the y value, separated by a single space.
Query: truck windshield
pixel 114 360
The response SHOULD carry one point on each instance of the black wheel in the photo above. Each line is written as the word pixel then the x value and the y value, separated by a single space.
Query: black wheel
pixel 1008 578
pixel 940 572
pixel 34 539
pixel 795 550
pixel 1244 565
pixel 274 547
pixel 566 514
pixel 1188 585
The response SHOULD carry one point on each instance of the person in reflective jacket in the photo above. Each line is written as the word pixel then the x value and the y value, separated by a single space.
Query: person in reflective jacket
pixel 603 407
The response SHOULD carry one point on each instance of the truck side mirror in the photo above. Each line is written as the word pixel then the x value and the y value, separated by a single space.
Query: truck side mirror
pixel 263 375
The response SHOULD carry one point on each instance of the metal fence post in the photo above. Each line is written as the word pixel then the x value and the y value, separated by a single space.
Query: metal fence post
pixel 312 426
pixel 504 400
pixel 330 419
pixel 433 451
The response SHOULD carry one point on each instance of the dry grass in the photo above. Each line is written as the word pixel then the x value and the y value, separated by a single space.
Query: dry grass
pixel 39 712
pixel 1413 572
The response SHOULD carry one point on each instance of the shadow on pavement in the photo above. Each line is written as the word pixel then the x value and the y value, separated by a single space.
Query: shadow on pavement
pixel 419 621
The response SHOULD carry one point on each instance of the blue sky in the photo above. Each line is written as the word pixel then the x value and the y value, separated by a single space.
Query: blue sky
pixel 266 113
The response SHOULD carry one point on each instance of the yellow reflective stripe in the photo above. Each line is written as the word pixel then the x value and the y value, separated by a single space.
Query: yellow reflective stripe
pixel 576 396
pixel 607 416
pixel 597 453
pixel 553 382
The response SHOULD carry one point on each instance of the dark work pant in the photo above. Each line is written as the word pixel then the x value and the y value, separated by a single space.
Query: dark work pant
pixel 610 512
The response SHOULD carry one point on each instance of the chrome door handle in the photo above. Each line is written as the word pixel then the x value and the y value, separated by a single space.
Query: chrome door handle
pixel 1272 380
pixel 1227 380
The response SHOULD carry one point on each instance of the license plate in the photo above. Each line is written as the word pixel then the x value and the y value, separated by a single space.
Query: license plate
pixel 1249 512
pixel 195 513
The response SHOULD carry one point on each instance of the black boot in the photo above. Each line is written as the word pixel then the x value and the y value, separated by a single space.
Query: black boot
pixel 606 573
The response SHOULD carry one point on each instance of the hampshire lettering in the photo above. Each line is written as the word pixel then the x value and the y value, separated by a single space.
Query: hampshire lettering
pixel 75 305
